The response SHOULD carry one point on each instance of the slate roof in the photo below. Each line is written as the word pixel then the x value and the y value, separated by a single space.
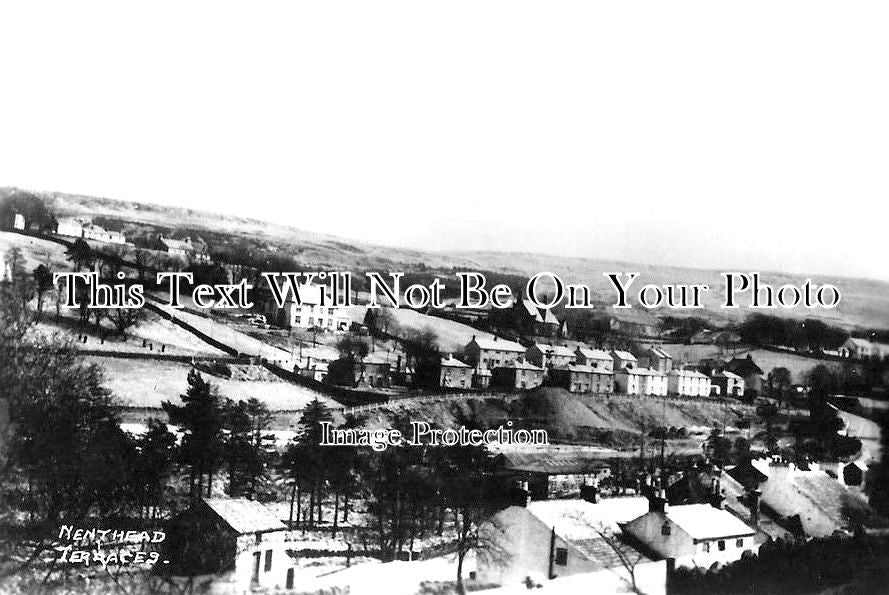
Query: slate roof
pixel 583 369
pixel 245 516
pixel 521 364
pixel 623 355
pixel 743 366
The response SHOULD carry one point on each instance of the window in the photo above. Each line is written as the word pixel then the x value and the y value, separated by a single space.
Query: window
pixel 721 545
pixel 268 560
pixel 666 529
pixel 258 538
pixel 561 556
pixel 706 546
pixel 740 543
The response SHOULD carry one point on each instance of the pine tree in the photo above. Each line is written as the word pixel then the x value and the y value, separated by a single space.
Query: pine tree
pixel 201 418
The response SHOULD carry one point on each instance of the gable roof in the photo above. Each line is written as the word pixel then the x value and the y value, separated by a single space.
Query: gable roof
pixel 244 516
pixel 597 354
pixel 623 355
pixel 496 344
pixel 543 315
pixel 659 353
pixel 704 521
pixel 452 362
pixel 743 366
pixel 557 350
pixel 521 364
pixel 553 462
pixel 585 369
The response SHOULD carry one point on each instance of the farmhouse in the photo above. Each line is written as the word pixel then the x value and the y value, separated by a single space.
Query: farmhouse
pixel 526 318
pixel 692 534
pixel 863 349
pixel 313 311
pixel 370 372
pixel 579 378
pixel 517 374
pixel 490 353
pixel 548 356
pixel 454 373
pixel 595 358
pixel 70 226
pixel 82 228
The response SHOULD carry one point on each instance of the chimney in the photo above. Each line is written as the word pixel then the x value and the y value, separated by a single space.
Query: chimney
pixel 657 502
pixel 716 498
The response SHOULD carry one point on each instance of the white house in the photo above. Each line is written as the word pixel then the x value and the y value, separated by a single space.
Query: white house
pixel 862 349
pixel 689 383
pixel 693 534
pixel 628 381
pixel 653 382
pixel 19 222
pixel 557 539
pixel 70 226
pixel 315 310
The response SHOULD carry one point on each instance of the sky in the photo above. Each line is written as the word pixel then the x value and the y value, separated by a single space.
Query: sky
pixel 748 135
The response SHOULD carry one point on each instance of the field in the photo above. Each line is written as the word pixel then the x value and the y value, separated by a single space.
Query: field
pixel 157 334
pixel 147 383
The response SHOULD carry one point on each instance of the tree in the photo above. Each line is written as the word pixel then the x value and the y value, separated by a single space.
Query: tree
pixel 422 348
pixel 471 493
pixel 768 413
pixel 123 318
pixel 43 283
pixel 305 460
pixel 201 419
pixel 249 448
pixel 153 467
pixel 80 254
pixel 779 380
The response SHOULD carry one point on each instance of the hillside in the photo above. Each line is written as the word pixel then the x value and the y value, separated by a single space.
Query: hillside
pixel 865 302
pixel 613 421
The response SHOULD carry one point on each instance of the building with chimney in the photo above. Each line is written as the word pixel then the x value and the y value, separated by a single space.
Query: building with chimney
pixel 695 535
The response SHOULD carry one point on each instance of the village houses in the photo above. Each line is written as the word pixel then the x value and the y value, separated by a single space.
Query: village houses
pixel 579 378
pixel 595 358
pixel 491 352
pixel 623 359
pixel 82 228
pixel 517 374
pixel 548 356
pixel 727 384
